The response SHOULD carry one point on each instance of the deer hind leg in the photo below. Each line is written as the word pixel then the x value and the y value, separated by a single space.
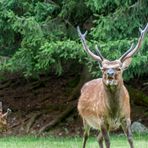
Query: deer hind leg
pixel 100 140
pixel 126 125
pixel 105 134
pixel 86 132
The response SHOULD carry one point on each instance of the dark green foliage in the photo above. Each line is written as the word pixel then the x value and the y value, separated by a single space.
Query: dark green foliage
pixel 40 36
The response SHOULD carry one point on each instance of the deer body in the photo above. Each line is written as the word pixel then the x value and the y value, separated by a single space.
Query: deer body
pixel 3 118
pixel 104 103
pixel 100 106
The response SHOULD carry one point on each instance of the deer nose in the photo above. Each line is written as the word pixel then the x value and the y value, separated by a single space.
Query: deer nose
pixel 110 72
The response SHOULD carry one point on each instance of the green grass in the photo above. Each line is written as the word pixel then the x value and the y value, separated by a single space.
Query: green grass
pixel 140 141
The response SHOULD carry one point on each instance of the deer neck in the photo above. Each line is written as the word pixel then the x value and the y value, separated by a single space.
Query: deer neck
pixel 113 98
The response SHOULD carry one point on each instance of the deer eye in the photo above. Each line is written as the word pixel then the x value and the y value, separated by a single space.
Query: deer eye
pixel 118 69
pixel 103 69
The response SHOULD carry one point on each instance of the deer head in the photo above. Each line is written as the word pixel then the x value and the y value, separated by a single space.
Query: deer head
pixel 112 70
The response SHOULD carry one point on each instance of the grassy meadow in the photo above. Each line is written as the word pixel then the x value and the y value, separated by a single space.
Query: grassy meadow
pixel 140 141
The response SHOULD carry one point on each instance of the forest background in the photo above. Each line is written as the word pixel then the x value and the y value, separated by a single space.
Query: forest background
pixel 43 65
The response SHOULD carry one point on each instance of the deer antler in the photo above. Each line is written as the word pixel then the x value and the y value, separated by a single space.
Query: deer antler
pixel 132 50
pixel 86 48
pixel 99 53
pixel 7 113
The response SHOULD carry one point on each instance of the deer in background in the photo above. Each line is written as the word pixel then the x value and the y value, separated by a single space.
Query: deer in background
pixel 3 118
pixel 104 102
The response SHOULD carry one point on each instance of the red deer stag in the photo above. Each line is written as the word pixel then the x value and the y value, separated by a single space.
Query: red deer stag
pixel 3 118
pixel 104 102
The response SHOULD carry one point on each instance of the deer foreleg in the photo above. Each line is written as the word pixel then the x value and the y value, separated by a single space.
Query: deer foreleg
pixel 100 140
pixel 126 125
pixel 106 137
pixel 86 133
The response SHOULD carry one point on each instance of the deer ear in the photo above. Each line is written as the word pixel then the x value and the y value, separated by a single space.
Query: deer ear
pixel 126 63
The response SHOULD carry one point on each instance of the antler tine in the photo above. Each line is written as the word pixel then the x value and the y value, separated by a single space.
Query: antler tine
pixel 143 31
pixel 7 113
pixel 127 52
pixel 86 48
pixel 98 51
pixel 132 50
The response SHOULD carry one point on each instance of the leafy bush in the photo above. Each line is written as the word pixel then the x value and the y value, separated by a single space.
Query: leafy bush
pixel 40 36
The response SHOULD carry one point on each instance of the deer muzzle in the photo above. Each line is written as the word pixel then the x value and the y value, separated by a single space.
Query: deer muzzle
pixel 111 77
pixel 110 73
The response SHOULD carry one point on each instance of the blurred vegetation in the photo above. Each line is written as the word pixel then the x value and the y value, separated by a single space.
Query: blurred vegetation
pixel 40 35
